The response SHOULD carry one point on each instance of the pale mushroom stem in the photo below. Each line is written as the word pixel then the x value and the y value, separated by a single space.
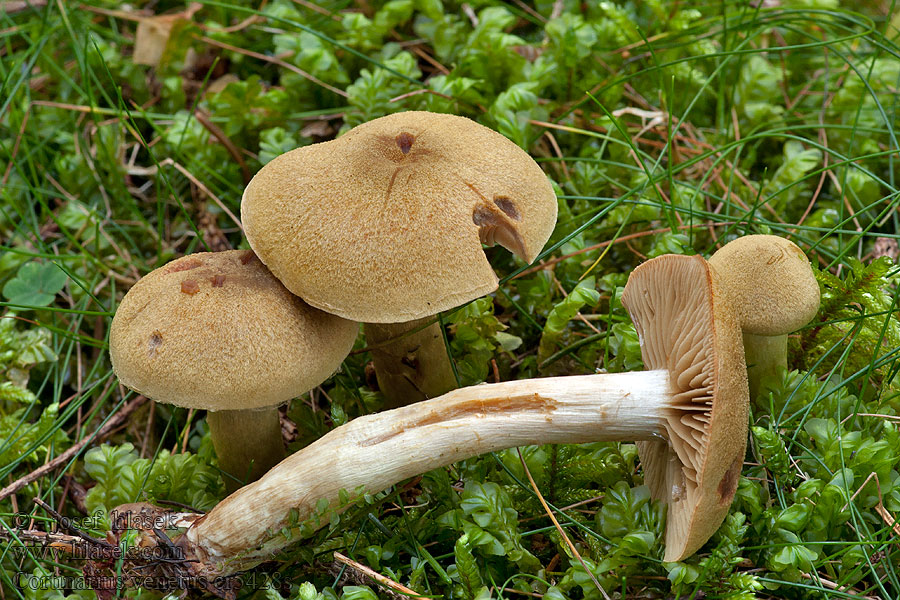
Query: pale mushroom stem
pixel 374 452
pixel 764 355
pixel 248 443
pixel 410 365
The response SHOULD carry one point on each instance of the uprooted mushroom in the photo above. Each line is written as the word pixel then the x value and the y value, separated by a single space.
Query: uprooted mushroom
pixel 689 411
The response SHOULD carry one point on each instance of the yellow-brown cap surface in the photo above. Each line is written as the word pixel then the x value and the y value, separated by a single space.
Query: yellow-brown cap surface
pixel 771 281
pixel 217 331
pixel 385 224
pixel 687 325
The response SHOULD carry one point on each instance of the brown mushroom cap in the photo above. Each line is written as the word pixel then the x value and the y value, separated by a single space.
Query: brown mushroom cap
pixel 385 224
pixel 217 331
pixel 771 281
pixel 686 324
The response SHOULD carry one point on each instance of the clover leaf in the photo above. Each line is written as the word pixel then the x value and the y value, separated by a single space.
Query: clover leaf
pixel 35 284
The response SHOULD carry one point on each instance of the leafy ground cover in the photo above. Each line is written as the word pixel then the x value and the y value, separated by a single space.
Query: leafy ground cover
pixel 127 133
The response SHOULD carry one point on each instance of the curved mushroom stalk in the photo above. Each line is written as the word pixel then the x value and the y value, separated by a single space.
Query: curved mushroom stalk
pixel 377 451
pixel 689 410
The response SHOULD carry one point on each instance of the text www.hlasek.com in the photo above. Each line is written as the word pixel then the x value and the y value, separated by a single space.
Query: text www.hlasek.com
pixel 96 553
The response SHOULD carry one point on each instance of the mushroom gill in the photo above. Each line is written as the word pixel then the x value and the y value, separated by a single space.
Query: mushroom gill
pixel 674 337
pixel 496 226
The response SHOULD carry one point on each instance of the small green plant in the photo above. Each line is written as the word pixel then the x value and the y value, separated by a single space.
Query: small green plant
pixel 35 284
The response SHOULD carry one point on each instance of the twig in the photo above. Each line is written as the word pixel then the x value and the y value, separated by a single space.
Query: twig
pixel 179 505
pixel 473 18
pixel 559 528
pixel 888 519
pixel 316 8
pixel 204 189
pixel 67 525
pixel 15 149
pixel 217 132
pixel 112 424
pixel 70 544
pixel 76 492
pixel 569 507
pixel 379 578
pixel 832 585
pixel 275 61
pixel 15 6
pixel 559 153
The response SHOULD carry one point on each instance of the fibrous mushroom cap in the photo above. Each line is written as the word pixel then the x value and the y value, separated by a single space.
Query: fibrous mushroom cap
pixel 217 331
pixel 385 224
pixel 771 281
pixel 686 324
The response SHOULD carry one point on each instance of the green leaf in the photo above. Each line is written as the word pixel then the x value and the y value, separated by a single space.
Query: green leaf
pixel 307 591
pixel 793 517
pixel 637 542
pixel 275 142
pixel 758 90
pixel 467 568
pixel 358 592
pixel 35 284
pixel 564 311
pixel 785 186
pixel 681 573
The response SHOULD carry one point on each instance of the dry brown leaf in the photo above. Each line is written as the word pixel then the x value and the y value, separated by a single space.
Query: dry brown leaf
pixel 153 34
pixel 221 83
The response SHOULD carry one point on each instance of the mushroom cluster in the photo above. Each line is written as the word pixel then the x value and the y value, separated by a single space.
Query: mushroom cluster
pixel 384 225
pixel 392 237
pixel 688 413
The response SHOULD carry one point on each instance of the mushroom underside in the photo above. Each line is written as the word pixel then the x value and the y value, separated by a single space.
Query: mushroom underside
pixel 684 326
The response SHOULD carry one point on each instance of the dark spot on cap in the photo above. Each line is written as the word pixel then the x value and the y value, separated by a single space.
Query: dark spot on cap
pixel 405 142
pixel 507 206
pixel 247 256
pixel 728 485
pixel 185 264
pixel 190 287
pixel 218 280
pixel 154 343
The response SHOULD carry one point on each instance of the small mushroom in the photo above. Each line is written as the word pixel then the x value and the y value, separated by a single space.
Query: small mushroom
pixel 385 225
pixel 775 293
pixel 690 410
pixel 217 332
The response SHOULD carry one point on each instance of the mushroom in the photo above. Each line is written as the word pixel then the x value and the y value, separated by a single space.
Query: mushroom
pixel 385 225
pixel 216 331
pixel 775 293
pixel 690 411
